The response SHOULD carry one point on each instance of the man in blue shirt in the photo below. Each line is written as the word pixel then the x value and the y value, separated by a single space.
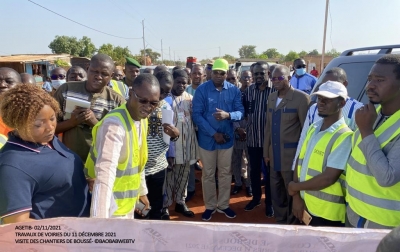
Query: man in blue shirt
pixel 216 104
pixel 302 80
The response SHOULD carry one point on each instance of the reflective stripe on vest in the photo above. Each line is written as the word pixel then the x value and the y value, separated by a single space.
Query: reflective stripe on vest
pixel 3 140
pixel 119 87
pixel 364 195
pixel 328 203
pixel 127 180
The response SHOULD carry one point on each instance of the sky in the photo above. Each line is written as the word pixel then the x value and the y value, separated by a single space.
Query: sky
pixel 203 29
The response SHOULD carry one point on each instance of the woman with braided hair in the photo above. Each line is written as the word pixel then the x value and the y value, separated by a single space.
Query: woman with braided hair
pixel 39 177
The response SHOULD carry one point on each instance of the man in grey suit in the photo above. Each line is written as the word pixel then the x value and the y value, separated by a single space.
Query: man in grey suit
pixel 286 113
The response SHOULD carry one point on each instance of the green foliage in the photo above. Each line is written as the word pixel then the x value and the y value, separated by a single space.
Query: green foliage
pixel 302 54
pixel 313 52
pixel 117 53
pixel 248 51
pixel 272 53
pixel 333 52
pixel 153 55
pixel 231 59
pixel 292 55
pixel 61 63
pixel 71 45
pixel 262 56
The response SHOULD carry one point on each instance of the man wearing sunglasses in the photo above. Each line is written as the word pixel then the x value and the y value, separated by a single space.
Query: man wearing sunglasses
pixel 209 69
pixel 286 112
pixel 119 153
pixel 58 77
pixel 77 126
pixel 255 104
pixel 302 80
pixel 216 105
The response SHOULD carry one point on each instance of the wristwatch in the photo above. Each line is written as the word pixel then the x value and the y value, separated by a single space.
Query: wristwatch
pixel 174 139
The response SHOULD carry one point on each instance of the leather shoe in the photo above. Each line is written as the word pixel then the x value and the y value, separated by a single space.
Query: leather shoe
pixel 165 214
pixel 183 209
pixel 249 191
pixel 236 190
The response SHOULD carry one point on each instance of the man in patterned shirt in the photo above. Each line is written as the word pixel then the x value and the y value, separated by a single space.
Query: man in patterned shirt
pixel 77 126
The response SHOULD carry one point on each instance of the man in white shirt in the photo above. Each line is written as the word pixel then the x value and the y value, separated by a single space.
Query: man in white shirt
pixel 348 111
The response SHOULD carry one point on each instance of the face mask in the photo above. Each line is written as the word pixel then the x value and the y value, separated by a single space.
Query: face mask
pixel 57 83
pixel 300 71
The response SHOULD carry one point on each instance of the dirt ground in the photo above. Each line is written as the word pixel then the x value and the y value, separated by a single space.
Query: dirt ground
pixel 237 204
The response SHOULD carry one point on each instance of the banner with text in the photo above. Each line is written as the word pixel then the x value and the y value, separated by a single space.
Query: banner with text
pixel 103 235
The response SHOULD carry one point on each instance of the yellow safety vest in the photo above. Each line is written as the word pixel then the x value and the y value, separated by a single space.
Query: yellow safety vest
pixel 119 87
pixel 364 195
pixel 328 203
pixel 127 181
pixel 3 140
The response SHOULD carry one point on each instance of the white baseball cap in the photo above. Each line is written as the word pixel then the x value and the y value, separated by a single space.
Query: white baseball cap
pixel 332 89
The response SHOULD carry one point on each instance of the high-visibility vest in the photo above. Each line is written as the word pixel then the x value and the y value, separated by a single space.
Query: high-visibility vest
pixel 328 203
pixel 364 195
pixel 3 140
pixel 119 87
pixel 127 181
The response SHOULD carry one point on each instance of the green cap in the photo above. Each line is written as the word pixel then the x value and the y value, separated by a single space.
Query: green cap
pixel 132 62
pixel 221 64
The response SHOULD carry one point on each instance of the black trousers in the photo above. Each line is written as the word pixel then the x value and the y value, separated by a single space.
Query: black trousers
pixel 321 222
pixel 256 161
pixel 155 185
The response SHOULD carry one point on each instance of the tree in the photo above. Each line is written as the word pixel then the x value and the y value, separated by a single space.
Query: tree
pixel 291 56
pixel 248 51
pixel 71 45
pixel 231 59
pixel 262 56
pixel 61 63
pixel 272 53
pixel 313 52
pixel 302 54
pixel 117 53
pixel 333 52
pixel 153 55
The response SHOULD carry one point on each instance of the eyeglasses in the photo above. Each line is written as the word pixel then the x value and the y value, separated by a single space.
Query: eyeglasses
pixel 144 101
pixel 300 66
pixel 218 72
pixel 280 78
pixel 259 73
pixel 57 76
pixel 232 78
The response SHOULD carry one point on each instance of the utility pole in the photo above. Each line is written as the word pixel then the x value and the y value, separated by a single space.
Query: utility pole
pixel 323 43
pixel 169 55
pixel 162 54
pixel 219 54
pixel 144 46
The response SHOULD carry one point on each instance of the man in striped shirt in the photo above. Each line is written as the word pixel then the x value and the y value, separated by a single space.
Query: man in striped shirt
pixel 348 111
pixel 255 104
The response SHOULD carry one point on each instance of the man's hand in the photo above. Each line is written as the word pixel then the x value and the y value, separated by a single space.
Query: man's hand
pixel 171 130
pixel 266 160
pixel 171 163
pixel 90 182
pixel 146 203
pixel 291 188
pixel 365 119
pixel 242 134
pixel 90 118
pixel 219 138
pixel 221 115
pixel 298 207
pixel 78 116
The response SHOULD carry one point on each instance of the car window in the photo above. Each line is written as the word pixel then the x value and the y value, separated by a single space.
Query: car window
pixel 357 74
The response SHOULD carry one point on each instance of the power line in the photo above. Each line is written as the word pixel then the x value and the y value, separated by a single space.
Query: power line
pixel 81 23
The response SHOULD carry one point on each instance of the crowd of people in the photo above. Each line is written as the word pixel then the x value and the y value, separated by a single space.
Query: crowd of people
pixel 133 152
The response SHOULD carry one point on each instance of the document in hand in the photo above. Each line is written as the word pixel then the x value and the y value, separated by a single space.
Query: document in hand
pixel 72 103
pixel 167 117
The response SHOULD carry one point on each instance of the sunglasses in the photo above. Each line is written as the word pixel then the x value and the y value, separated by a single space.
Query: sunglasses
pixel 209 67
pixel 57 76
pixel 233 78
pixel 218 72
pixel 280 78
pixel 300 66
pixel 259 73
pixel 144 101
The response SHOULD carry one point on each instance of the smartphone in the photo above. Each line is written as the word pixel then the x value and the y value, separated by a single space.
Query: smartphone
pixel 306 218
pixel 140 206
